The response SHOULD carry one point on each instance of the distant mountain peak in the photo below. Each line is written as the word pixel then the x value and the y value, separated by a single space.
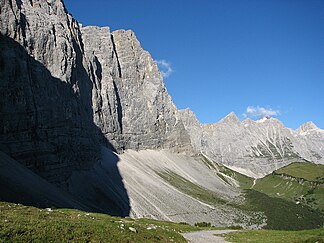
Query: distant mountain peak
pixel 247 122
pixel 231 117
pixel 307 127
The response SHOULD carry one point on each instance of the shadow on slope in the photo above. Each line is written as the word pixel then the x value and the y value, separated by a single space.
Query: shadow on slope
pixel 47 125
pixel 21 185
pixel 101 187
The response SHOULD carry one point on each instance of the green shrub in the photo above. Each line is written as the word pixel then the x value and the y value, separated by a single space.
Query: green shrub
pixel 184 223
pixel 203 224
pixel 235 227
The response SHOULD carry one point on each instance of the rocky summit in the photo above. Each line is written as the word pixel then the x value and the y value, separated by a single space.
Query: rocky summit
pixel 84 104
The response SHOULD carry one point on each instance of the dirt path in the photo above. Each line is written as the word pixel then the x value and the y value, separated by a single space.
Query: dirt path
pixel 206 236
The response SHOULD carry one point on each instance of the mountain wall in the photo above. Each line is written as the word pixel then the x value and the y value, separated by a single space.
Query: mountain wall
pixel 67 89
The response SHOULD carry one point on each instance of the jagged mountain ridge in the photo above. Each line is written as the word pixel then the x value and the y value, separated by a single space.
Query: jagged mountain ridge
pixel 255 148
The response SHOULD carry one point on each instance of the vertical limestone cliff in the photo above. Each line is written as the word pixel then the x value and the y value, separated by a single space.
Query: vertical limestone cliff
pixel 131 104
pixel 66 89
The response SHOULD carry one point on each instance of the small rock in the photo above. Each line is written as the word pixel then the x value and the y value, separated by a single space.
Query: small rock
pixel 132 229
pixel 49 210
pixel 151 226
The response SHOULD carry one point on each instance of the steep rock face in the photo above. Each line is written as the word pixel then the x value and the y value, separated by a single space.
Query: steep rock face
pixel 193 127
pixel 45 106
pixel 66 89
pixel 131 104
pixel 254 148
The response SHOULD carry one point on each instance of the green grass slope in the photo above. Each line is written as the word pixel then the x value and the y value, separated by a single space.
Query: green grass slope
pixel 276 236
pixel 20 223
pixel 222 171
pixel 291 198
pixel 307 171
pixel 302 183
pixel 191 189
pixel 28 224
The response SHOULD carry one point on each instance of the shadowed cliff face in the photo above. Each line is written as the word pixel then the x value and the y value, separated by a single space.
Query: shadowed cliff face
pixel 48 128
pixel 45 124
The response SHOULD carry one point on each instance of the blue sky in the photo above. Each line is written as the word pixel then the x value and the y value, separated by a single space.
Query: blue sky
pixel 252 57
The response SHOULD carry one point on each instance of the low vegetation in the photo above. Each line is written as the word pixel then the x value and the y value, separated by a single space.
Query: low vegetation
pixel 276 236
pixel 272 195
pixel 245 182
pixel 203 224
pixel 20 223
pixel 282 214
pixel 307 171
pixel 191 188
pixel 301 183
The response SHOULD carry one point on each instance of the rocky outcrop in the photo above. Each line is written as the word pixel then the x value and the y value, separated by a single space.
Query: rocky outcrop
pixel 252 147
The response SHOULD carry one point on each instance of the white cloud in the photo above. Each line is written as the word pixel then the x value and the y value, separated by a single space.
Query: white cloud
pixel 165 68
pixel 260 112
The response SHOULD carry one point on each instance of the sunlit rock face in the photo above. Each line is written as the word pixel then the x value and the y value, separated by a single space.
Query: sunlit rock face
pixel 252 147
pixel 130 102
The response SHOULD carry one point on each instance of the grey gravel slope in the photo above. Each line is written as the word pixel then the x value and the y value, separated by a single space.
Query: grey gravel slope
pixel 151 196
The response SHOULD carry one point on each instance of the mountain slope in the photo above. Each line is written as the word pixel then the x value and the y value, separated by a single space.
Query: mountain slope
pixel 254 148
pixel 145 176
pixel 288 203
pixel 301 183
